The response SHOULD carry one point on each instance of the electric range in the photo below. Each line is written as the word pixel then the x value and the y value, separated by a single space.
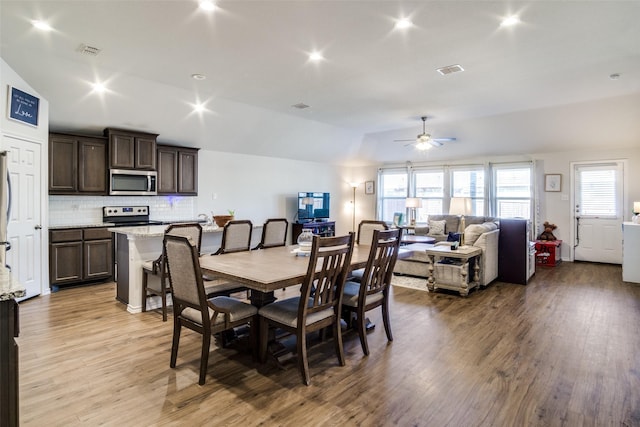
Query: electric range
pixel 127 216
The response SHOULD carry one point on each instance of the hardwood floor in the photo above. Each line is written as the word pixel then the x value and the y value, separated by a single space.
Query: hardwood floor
pixel 563 350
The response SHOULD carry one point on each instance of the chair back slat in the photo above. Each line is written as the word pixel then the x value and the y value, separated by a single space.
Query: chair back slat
pixel 184 272
pixel 323 289
pixel 366 229
pixel 382 259
pixel 274 233
pixel 236 237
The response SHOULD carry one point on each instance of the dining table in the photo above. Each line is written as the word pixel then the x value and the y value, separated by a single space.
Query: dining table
pixel 267 270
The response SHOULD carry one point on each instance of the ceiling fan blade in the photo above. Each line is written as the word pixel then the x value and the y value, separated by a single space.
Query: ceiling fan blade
pixel 435 143
pixel 443 139
pixel 404 140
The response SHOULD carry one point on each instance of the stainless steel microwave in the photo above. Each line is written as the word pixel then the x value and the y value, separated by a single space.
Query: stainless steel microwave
pixel 124 182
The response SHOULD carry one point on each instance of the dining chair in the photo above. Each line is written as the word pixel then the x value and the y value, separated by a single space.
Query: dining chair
pixel 365 236
pixel 192 309
pixel 236 237
pixel 318 305
pixel 373 289
pixel 274 233
pixel 157 268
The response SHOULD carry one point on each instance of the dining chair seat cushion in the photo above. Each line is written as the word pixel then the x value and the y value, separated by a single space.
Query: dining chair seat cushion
pixel 286 312
pixel 350 295
pixel 356 275
pixel 238 310
pixel 148 265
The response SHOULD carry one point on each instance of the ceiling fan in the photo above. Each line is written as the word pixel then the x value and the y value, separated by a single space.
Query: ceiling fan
pixel 424 141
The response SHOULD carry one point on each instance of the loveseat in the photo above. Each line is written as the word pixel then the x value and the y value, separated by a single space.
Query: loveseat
pixel 482 232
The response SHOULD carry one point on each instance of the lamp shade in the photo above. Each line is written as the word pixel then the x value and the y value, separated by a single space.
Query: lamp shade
pixel 460 206
pixel 636 207
pixel 414 202
pixel 307 200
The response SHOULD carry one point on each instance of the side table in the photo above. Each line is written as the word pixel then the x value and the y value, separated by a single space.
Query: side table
pixel 459 281
pixel 548 252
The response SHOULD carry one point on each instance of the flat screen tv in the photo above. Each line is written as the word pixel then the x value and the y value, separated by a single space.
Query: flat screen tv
pixel 313 206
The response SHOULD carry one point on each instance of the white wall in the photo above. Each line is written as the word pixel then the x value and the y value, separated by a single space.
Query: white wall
pixel 40 135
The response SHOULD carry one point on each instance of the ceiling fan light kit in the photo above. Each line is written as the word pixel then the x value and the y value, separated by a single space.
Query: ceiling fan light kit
pixel 424 141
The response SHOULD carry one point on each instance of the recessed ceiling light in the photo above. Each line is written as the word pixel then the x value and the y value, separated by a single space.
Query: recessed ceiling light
pixel 41 25
pixel 300 106
pixel 403 23
pixel 315 56
pixel 198 76
pixel 207 5
pixel 510 21
pixel 99 87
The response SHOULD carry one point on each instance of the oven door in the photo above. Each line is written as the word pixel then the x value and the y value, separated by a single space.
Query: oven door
pixel 124 182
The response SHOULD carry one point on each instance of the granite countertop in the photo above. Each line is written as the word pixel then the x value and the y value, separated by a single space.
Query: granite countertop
pixel 156 230
pixel 10 288
pixel 81 225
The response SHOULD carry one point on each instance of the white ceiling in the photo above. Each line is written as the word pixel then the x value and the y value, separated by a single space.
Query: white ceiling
pixel 542 85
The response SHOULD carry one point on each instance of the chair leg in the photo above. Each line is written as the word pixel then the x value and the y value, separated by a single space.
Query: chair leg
pixel 204 357
pixel 303 362
pixel 176 341
pixel 163 291
pixel 385 319
pixel 264 337
pixel 145 278
pixel 337 334
pixel 362 332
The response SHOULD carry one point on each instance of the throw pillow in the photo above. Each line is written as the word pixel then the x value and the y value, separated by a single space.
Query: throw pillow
pixel 453 237
pixel 437 227
pixel 472 232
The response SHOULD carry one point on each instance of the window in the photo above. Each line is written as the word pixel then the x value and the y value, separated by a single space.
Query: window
pixel 393 193
pixel 513 191
pixel 469 183
pixel 429 186
pixel 597 196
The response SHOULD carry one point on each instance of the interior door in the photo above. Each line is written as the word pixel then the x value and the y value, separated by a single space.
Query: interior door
pixel 598 212
pixel 24 228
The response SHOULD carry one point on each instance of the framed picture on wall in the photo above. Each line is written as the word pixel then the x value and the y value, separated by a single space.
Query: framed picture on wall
pixel 22 107
pixel 552 182
pixel 369 187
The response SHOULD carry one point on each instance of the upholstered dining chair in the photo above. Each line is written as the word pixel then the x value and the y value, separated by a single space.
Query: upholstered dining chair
pixel 192 309
pixel 373 289
pixel 157 268
pixel 318 305
pixel 274 233
pixel 365 236
pixel 236 237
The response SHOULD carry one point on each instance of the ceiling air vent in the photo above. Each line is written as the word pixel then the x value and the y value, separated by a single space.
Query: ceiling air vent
pixel 450 69
pixel 88 50
pixel 300 106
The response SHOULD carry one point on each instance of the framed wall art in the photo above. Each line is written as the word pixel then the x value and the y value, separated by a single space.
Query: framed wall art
pixel 23 107
pixel 369 187
pixel 552 182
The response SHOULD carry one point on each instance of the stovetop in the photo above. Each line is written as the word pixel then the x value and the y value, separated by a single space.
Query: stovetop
pixel 127 216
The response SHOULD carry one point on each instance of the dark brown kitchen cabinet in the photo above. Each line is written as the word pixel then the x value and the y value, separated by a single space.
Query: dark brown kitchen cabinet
pixel 177 170
pixel 131 150
pixel 77 164
pixel 80 255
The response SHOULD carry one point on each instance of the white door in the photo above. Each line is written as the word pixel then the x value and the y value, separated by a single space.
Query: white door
pixel 598 212
pixel 24 229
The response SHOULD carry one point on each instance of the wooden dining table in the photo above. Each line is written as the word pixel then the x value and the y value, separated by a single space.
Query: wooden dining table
pixel 267 270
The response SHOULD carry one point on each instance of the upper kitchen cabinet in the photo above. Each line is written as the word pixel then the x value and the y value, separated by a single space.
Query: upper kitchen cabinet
pixel 177 170
pixel 77 164
pixel 131 150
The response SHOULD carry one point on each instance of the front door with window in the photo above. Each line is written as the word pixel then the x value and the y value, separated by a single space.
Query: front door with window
pixel 598 212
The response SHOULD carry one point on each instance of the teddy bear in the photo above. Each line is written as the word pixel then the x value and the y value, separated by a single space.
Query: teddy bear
pixel 547 234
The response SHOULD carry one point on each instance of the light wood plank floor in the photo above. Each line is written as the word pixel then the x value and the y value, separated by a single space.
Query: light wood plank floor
pixel 564 350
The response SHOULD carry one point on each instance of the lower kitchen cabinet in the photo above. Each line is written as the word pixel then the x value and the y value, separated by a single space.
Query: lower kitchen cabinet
pixel 80 255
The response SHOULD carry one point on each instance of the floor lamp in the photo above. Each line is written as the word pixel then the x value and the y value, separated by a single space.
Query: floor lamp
pixel 461 206
pixel 354 185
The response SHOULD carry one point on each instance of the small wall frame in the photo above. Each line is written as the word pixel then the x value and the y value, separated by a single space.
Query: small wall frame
pixel 552 182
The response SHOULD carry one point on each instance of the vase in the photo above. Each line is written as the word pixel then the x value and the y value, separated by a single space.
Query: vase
pixel 305 240
pixel 222 220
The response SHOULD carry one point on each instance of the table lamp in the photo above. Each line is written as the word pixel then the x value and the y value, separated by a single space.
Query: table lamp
pixel 461 206
pixel 413 203
pixel 636 212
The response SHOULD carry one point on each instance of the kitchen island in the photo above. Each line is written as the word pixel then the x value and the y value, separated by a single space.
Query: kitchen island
pixel 135 245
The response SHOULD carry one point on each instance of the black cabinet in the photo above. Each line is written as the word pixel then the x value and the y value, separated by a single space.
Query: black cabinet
pixel 177 170
pixel 77 164
pixel 9 329
pixel 514 251
pixel 323 229
pixel 131 149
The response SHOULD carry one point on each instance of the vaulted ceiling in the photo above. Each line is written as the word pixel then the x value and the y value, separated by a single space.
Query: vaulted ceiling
pixel 541 85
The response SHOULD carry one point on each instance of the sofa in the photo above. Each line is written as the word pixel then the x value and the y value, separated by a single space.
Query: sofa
pixel 482 232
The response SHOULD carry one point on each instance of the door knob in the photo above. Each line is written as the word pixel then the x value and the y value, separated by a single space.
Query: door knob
pixel 38 227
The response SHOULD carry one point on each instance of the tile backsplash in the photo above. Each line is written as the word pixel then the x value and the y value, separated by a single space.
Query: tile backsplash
pixel 83 210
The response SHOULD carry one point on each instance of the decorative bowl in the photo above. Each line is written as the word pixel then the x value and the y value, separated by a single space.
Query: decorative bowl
pixel 222 220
